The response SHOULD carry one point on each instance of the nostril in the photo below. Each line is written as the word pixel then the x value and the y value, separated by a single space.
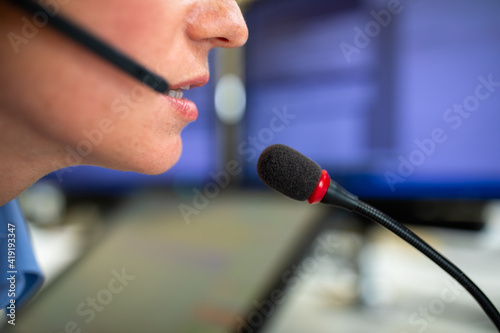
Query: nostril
pixel 222 39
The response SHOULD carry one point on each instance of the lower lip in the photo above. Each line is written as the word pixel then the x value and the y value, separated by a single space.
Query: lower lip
pixel 185 108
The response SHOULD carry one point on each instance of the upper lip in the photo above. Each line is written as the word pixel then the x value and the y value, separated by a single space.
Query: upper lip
pixel 191 83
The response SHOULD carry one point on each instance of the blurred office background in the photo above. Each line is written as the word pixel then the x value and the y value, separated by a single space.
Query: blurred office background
pixel 399 100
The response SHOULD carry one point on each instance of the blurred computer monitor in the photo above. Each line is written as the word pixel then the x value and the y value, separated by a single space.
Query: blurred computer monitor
pixel 398 100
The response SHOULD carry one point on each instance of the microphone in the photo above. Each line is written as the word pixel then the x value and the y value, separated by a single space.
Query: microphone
pixel 298 177
pixel 287 171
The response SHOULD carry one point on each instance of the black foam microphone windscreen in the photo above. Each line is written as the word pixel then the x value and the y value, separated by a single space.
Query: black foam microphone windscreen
pixel 288 172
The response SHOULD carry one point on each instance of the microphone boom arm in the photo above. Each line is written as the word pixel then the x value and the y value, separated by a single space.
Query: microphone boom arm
pixel 336 195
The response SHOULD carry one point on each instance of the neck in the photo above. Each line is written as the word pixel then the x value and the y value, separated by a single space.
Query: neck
pixel 26 156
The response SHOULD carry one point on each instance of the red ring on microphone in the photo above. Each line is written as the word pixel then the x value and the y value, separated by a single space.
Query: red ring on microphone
pixel 321 188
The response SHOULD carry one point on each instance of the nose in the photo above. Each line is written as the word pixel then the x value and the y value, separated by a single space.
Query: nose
pixel 219 22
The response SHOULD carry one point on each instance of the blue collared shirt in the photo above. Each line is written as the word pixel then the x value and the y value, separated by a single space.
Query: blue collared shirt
pixel 20 276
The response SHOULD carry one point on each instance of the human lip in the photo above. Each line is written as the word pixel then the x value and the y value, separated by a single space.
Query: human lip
pixel 176 90
pixel 184 108
pixel 174 97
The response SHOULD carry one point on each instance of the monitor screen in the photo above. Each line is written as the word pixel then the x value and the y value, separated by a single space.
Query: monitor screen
pixel 395 99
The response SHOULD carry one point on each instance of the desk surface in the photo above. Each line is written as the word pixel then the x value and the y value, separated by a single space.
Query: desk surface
pixel 154 272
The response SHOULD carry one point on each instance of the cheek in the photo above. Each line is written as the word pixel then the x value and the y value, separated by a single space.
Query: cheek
pixel 139 28
pixel 128 131
pixel 146 140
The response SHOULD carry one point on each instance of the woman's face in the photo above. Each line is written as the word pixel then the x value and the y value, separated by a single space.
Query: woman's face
pixel 91 111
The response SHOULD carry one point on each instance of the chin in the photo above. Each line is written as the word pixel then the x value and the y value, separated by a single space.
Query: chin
pixel 158 161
